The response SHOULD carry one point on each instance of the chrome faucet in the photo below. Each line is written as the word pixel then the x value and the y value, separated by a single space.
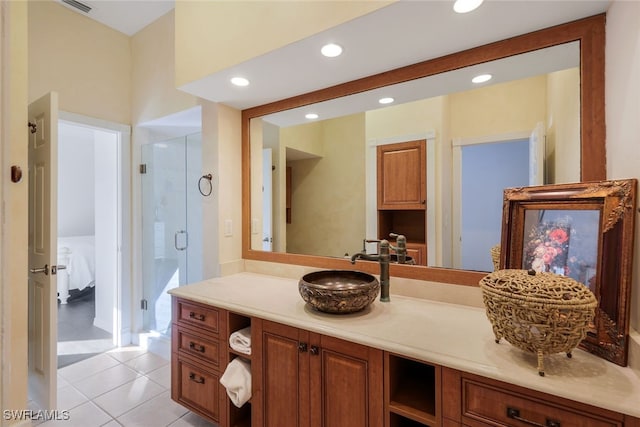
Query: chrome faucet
pixel 383 258
pixel 400 247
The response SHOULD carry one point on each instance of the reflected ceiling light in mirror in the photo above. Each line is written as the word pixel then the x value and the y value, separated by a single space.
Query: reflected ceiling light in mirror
pixel 239 81
pixel 331 50
pixel 386 100
pixel 464 6
pixel 482 78
pixel 311 116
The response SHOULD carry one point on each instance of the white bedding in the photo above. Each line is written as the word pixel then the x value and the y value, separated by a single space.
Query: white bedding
pixel 80 271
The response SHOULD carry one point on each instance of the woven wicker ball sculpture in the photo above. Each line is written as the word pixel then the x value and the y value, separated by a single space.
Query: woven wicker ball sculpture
pixel 542 313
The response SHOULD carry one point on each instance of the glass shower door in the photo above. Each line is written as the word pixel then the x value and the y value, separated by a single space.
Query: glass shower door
pixel 170 235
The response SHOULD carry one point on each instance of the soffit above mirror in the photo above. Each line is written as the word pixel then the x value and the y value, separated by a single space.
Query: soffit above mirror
pixel 400 34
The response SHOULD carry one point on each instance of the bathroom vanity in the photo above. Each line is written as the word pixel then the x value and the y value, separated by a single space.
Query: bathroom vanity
pixel 408 362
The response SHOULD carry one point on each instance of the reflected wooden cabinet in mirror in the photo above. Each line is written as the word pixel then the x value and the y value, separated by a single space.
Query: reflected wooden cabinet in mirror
pixel 586 37
pixel 401 191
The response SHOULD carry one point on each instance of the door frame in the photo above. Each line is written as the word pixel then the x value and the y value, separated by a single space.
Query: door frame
pixel 122 293
pixel 13 228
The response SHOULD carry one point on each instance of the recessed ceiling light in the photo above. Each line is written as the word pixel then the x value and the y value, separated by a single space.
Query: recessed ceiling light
pixel 331 50
pixel 387 100
pixel 482 78
pixel 240 81
pixel 464 6
pixel 311 116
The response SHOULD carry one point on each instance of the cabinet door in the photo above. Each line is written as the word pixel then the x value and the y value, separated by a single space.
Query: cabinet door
pixel 417 251
pixel 402 178
pixel 284 370
pixel 346 383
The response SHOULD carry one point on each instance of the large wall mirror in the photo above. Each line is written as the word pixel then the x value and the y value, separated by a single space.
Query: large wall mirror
pixel 310 187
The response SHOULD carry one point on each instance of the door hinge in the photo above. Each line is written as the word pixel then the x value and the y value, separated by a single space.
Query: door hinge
pixel 143 304
pixel 33 127
pixel 143 168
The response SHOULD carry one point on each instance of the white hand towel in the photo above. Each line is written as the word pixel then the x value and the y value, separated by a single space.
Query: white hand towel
pixel 237 380
pixel 240 340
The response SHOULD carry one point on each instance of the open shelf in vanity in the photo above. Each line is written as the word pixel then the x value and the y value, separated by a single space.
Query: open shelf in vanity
pixel 411 397
pixel 238 417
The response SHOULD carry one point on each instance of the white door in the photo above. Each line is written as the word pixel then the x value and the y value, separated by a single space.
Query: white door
pixel 43 304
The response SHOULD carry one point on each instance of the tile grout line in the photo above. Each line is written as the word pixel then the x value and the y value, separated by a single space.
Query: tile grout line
pixel 139 374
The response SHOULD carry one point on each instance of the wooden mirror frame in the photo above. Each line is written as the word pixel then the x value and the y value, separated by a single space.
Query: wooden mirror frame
pixel 590 32
pixel 613 235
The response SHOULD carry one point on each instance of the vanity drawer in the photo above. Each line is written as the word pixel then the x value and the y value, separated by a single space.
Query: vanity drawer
pixel 190 342
pixel 196 388
pixel 494 406
pixel 198 315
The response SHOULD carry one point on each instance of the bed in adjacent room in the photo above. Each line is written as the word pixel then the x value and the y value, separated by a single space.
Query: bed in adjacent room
pixel 77 253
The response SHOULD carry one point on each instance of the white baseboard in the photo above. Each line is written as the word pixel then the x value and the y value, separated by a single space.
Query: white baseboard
pixel 103 324
pixel 155 343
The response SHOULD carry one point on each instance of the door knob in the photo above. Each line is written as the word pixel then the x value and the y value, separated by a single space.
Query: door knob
pixel 44 270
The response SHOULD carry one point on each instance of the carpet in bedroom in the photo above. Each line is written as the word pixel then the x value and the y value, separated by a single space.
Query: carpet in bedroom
pixel 78 339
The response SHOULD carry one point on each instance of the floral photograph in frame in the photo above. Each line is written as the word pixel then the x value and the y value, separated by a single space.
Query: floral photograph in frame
pixel 563 242
pixel 585 231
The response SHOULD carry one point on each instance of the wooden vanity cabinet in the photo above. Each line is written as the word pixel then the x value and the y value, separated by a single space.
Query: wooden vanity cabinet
pixel 198 337
pixel 306 379
pixel 310 379
pixel 474 401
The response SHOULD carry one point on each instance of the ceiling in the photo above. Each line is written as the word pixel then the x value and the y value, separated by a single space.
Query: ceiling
pixel 400 34
pixel 125 16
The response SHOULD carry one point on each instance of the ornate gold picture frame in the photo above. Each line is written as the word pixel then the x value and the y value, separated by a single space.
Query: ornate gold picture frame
pixel 585 231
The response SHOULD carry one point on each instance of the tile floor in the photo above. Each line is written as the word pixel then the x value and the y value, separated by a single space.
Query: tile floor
pixel 122 387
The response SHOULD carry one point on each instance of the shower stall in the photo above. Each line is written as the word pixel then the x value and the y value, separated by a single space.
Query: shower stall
pixel 171 224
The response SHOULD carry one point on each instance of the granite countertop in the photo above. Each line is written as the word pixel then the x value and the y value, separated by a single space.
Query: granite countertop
pixel 455 336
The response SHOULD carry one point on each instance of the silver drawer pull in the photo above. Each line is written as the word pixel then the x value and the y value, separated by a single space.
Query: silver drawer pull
pixel 514 414
pixel 196 347
pixel 196 316
pixel 195 378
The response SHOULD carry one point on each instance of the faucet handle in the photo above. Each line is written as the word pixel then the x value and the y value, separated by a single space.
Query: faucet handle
pixel 372 240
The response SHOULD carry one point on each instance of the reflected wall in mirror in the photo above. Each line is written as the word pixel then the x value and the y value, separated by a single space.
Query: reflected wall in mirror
pixel 313 186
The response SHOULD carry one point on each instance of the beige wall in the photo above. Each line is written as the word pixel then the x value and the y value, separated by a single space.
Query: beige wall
pixel 623 113
pixel 328 193
pixel 214 35
pixel 307 138
pixel 13 264
pixel 492 110
pixel 87 63
pixel 222 145
pixel 154 96
pixel 153 92
pixel 406 119
pixel 563 126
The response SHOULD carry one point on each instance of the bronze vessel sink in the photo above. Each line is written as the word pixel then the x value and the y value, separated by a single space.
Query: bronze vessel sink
pixel 338 291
